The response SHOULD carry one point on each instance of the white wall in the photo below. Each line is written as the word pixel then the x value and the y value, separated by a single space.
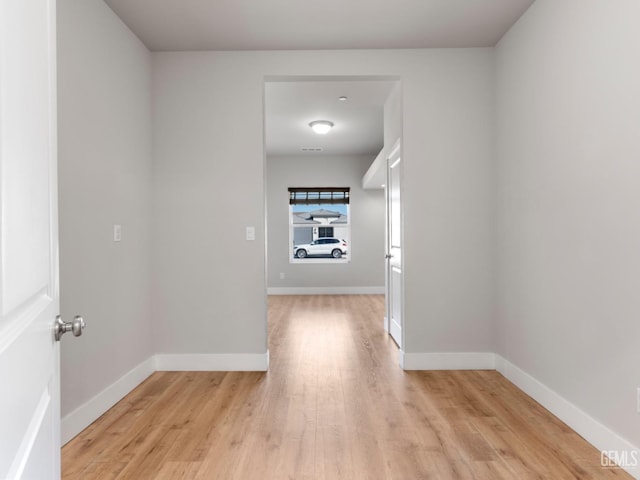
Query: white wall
pixel 104 81
pixel 376 175
pixel 448 187
pixel 393 116
pixel 366 249
pixel 568 109
pixel 209 282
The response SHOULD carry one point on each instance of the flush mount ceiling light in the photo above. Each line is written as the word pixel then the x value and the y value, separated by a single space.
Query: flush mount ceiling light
pixel 321 127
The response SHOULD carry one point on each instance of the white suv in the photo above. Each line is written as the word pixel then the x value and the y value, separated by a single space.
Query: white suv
pixel 322 246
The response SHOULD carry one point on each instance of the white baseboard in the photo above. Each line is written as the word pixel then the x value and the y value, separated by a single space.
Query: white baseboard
pixel 223 362
pixel 597 434
pixel 586 426
pixel 83 416
pixel 325 290
pixel 447 361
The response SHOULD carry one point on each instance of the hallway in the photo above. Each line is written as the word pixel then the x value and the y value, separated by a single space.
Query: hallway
pixel 334 405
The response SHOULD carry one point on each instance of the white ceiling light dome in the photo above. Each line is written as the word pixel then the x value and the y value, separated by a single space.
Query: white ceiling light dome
pixel 321 127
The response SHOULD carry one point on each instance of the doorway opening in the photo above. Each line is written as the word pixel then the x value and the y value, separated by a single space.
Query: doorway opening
pixel 363 116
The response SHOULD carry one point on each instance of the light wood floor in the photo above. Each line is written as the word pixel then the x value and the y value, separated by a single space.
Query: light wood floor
pixel 334 405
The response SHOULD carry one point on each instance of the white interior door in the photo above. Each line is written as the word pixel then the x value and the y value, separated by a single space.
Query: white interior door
pixel 29 300
pixel 394 245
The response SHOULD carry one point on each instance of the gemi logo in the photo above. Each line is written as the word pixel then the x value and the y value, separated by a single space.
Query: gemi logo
pixel 619 458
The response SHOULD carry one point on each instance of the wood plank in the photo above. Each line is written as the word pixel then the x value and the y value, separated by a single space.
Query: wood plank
pixel 333 405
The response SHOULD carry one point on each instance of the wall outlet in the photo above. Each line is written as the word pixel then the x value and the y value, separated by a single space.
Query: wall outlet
pixel 282 276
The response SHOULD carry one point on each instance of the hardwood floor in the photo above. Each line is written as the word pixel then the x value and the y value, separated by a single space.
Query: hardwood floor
pixel 334 405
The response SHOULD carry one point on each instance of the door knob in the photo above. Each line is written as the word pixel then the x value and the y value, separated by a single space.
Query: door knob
pixel 388 256
pixel 75 327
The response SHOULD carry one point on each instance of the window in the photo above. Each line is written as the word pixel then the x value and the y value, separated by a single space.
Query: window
pixel 319 225
pixel 325 231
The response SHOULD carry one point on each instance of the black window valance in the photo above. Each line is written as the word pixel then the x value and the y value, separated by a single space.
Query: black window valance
pixel 319 195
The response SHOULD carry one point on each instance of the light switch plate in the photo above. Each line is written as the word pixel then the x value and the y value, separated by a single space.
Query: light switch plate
pixel 251 233
pixel 117 233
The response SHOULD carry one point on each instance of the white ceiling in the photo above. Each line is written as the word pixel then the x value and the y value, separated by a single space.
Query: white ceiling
pixel 171 25
pixel 291 106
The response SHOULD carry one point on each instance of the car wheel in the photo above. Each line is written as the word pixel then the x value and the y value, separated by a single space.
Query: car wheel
pixel 301 253
pixel 336 253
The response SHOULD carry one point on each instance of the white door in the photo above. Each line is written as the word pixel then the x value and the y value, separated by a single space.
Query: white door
pixel 29 301
pixel 394 245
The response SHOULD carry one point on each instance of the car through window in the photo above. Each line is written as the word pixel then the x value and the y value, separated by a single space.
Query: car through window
pixel 319 224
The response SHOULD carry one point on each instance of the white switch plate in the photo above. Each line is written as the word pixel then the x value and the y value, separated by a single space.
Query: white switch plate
pixel 282 276
pixel 251 233
pixel 117 233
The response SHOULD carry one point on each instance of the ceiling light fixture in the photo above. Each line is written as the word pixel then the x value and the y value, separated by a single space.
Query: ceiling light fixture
pixel 342 98
pixel 321 127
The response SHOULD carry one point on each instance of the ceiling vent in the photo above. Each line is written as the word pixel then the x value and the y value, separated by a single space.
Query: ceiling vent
pixel 311 149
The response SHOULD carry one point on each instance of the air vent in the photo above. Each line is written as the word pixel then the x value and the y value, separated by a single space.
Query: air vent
pixel 311 149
